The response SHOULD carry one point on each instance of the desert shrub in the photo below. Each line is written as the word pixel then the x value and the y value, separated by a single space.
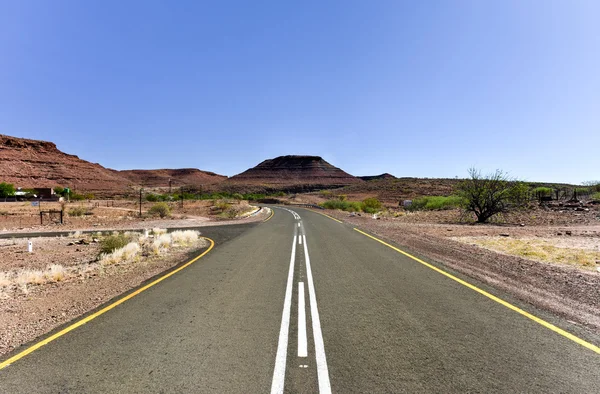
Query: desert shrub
pixel 371 205
pixel 151 197
pixel 25 277
pixel 596 196
pixel 349 206
pixel 186 237
pixel 237 196
pixel 230 213
pixel 77 211
pixel 486 196
pixel 113 242
pixel 222 205
pixel 325 193
pixel 343 197
pixel 76 197
pixel 435 203
pixel 542 192
pixel 56 272
pixel 6 189
pixel 128 252
pixel 159 231
pixel 254 196
pixel 160 209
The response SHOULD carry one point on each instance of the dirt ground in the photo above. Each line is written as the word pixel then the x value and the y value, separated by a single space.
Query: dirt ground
pixel 118 214
pixel 570 290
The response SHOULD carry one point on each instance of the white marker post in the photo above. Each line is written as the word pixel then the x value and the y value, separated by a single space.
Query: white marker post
pixel 29 246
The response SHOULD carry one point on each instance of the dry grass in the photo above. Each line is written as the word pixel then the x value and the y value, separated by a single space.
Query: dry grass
pixel 127 253
pixel 184 238
pixel 5 279
pixel 538 249
pixel 56 273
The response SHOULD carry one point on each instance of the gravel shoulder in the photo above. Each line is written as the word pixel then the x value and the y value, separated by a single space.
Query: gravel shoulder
pixel 567 290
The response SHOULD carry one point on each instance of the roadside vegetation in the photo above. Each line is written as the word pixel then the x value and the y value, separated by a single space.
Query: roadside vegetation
pixel 160 209
pixel 369 205
pixel 137 246
pixel 78 211
pixel 436 203
pixel 156 197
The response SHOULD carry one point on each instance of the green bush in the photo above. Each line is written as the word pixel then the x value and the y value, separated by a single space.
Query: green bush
pixel 76 197
pixel 77 211
pixel 161 209
pixel 349 206
pixel 435 203
pixel 254 196
pixel 153 197
pixel 371 205
pixel 542 192
pixel 113 242
pixel 222 205
pixel 6 189
pixel 596 196
pixel 237 196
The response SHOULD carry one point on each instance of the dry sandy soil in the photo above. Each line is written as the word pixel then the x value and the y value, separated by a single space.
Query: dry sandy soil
pixel 118 214
pixel 568 289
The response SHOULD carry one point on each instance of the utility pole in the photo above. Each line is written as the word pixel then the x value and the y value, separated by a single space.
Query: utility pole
pixel 181 193
pixel 170 183
pixel 141 190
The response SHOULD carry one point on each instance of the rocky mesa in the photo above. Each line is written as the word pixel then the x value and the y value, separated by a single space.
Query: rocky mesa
pixel 31 163
pixel 293 173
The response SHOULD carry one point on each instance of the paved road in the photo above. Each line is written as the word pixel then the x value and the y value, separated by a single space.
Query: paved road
pixel 302 303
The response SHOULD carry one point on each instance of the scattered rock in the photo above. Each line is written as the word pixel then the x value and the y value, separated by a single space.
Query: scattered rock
pixel 558 233
pixel 505 235
pixel 522 224
pixel 569 232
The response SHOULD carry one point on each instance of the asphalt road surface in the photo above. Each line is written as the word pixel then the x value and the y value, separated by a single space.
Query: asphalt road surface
pixel 304 304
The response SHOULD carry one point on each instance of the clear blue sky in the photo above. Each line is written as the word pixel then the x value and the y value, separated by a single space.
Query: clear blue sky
pixel 414 88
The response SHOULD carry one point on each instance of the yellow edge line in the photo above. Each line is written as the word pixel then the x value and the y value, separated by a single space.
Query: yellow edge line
pixel 321 213
pixel 270 216
pixel 81 322
pixel 536 319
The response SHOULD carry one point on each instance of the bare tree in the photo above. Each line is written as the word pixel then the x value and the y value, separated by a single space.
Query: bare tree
pixel 489 195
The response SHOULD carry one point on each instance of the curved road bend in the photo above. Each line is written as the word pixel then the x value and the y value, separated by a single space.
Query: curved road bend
pixel 370 320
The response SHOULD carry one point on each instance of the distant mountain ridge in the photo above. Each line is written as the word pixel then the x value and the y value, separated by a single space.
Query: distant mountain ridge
pixel 374 177
pixel 176 177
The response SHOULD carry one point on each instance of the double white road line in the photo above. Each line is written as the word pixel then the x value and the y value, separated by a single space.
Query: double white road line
pixel 277 384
